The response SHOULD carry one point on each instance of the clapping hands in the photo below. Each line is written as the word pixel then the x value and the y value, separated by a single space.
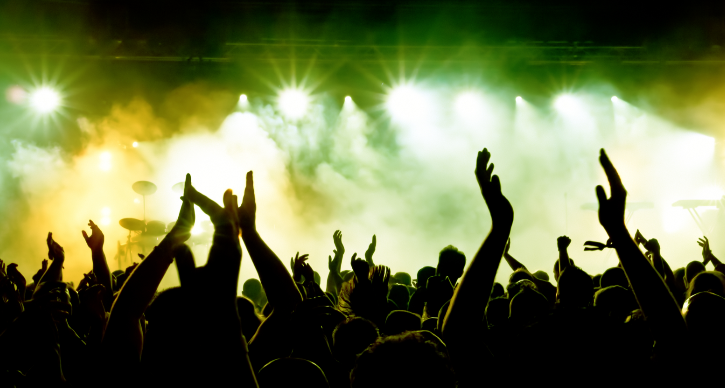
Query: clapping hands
pixel 96 239
pixel 502 213
pixel 55 251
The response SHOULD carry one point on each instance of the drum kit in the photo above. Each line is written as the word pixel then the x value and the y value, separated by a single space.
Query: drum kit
pixel 143 234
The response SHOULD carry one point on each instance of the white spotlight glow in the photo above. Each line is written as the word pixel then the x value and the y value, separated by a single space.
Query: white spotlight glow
pixel 407 102
pixel 519 99
pixel 348 99
pixel 106 211
pixel 293 103
pixel 105 158
pixel 615 99
pixel 196 230
pixel 566 103
pixel 44 100
pixel 135 144
pixel 242 98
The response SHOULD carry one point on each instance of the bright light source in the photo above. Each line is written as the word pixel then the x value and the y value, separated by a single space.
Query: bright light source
pixel 196 230
pixel 106 211
pixel 615 99
pixel 44 100
pixel 242 98
pixel 135 144
pixel 348 99
pixel 105 158
pixel 293 103
pixel 136 201
pixel 106 221
pixel 469 105
pixel 519 99
pixel 567 103
pixel 407 102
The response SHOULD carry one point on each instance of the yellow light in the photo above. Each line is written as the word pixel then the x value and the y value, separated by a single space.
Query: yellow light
pixel 105 158
pixel 106 211
pixel 135 144
pixel 44 100
pixel 106 221
pixel 196 230
pixel 293 103
pixel 136 201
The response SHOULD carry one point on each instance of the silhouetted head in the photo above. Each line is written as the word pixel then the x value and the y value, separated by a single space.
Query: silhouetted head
pixel 402 278
pixel 351 337
pixel 692 269
pixel 291 372
pixel 616 301
pixel 497 290
pixel 252 289
pixel 451 263
pixel 514 288
pixel 497 311
pixel 520 274
pixel 527 305
pixel 541 275
pixel 597 280
pixel 708 281
pixel 411 359
pixel 614 277
pixel 317 278
pixel 556 269
pixel 423 275
pixel 575 288
pixel 680 279
pixel 399 321
pixel 704 314
pixel 248 317
pixel 400 295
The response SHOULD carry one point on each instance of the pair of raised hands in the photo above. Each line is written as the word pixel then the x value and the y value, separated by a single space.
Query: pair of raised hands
pixel 335 264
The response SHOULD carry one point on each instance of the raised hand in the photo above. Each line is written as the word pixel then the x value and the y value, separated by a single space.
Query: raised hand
pixel 337 239
pixel 371 250
pixel 361 269
pixel 55 251
pixel 562 243
pixel 41 271
pixel 248 209
pixel 15 276
pixel 297 263
pixel 499 207
pixel 96 239
pixel 706 252
pixel 307 272
pixel 611 210
pixel 653 246
pixel 639 238
pixel 380 278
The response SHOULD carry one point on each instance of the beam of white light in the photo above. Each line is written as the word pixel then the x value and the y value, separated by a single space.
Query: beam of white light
pixel 196 230
pixel 44 100
pixel 615 98
pixel 105 161
pixel 348 99
pixel 293 103
pixel 519 99
pixel 567 103
pixel 407 102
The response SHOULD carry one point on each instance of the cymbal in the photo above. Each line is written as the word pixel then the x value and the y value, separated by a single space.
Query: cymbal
pixel 144 187
pixel 178 188
pixel 170 225
pixel 155 228
pixel 132 224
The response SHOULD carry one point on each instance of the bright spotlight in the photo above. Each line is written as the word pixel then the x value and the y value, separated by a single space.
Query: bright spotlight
pixel 293 103
pixel 196 230
pixel 348 99
pixel 242 98
pixel 407 102
pixel 136 201
pixel 44 100
pixel 135 144
pixel 615 99
pixel 106 211
pixel 519 99
pixel 566 103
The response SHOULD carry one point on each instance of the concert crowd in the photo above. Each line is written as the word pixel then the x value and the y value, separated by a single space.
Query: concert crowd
pixel 640 322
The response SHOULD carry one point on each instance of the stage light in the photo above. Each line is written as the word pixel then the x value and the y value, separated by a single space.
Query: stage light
pixel 136 201
pixel 242 98
pixel 407 102
pixel 293 103
pixel 44 100
pixel 106 211
pixel 519 99
pixel 196 230
pixel 135 144
pixel 348 99
pixel 615 99
pixel 469 106
pixel 567 103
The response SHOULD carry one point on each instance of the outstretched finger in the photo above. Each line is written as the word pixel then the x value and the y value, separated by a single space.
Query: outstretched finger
pixel 85 235
pixel 615 182
pixel 249 189
pixel 205 204
pixel 601 195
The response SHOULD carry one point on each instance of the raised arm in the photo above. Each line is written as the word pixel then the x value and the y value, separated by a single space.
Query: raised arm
pixel 100 266
pixel 653 296
pixel 707 255
pixel 124 329
pixel 562 243
pixel 513 263
pixel 334 279
pixel 468 305
pixel 57 257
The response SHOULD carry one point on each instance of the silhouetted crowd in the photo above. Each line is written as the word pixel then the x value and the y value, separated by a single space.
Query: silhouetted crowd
pixel 640 322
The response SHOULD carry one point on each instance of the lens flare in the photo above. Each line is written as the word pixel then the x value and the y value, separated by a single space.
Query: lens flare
pixel 45 100
pixel 293 103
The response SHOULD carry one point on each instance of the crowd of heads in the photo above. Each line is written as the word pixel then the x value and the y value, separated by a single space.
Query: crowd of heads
pixel 444 326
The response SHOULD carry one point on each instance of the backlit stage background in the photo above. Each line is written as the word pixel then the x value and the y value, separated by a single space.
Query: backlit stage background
pixel 371 130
